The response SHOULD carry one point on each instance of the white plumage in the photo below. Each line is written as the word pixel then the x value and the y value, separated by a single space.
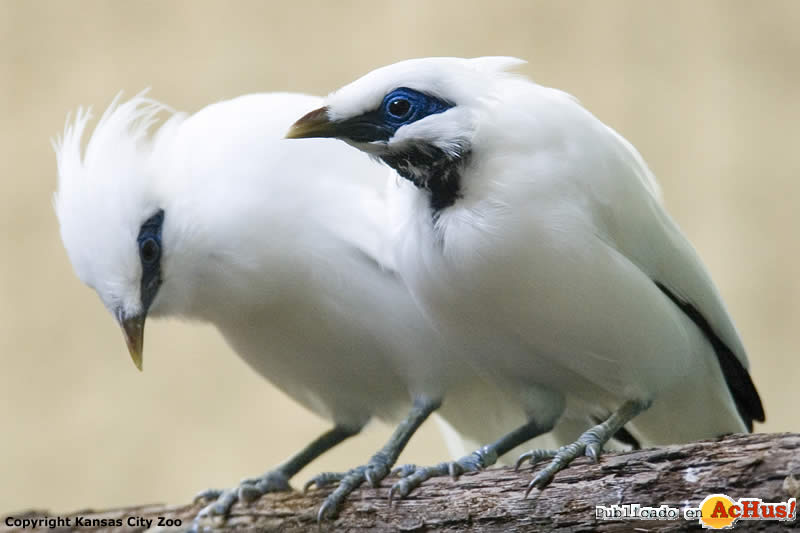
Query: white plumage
pixel 534 236
pixel 274 242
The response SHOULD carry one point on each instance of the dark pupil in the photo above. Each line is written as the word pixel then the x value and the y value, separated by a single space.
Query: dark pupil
pixel 149 250
pixel 399 107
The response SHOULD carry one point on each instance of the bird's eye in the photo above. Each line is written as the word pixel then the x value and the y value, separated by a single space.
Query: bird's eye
pixel 404 106
pixel 149 250
pixel 399 107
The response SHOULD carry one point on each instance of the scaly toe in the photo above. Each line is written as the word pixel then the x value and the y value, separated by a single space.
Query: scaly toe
pixel 374 476
pixel 399 490
pixel 224 503
pixel 561 460
pixel 404 471
pixel 350 482
pixel 207 495
pixel 593 451
pixel 534 457
pixel 249 493
pixel 219 507
pixel 407 485
pixel 323 480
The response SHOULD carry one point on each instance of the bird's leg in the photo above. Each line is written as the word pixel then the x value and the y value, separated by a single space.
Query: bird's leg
pixel 379 465
pixel 275 480
pixel 413 476
pixel 589 444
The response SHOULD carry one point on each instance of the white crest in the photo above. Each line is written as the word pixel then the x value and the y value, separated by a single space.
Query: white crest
pixel 104 195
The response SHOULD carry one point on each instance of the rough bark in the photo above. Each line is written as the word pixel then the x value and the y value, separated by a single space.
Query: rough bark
pixel 764 466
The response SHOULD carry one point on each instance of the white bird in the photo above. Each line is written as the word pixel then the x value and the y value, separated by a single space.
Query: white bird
pixel 217 218
pixel 534 234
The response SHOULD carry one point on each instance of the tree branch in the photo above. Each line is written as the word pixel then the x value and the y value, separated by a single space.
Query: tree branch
pixel 763 466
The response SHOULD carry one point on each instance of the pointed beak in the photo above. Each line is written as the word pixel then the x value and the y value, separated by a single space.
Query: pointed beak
pixel 313 124
pixel 133 329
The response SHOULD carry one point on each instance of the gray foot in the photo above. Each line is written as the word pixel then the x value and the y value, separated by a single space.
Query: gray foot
pixel 590 444
pixel 414 476
pixel 561 458
pixel 248 491
pixel 373 472
pixel 379 465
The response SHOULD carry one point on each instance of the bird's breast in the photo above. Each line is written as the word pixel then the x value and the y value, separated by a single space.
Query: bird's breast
pixel 541 294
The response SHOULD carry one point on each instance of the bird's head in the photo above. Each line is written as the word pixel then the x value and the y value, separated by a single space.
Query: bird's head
pixel 111 223
pixel 419 116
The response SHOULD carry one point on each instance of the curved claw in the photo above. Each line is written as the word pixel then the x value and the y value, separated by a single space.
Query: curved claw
pixel 522 458
pixel 307 485
pixel 324 511
pixel 542 479
pixel 401 489
pixel 531 486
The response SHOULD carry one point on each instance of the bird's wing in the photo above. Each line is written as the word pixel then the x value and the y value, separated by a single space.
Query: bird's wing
pixel 640 229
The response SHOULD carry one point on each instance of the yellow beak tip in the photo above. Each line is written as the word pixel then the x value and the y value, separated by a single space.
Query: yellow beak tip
pixel 133 329
pixel 312 124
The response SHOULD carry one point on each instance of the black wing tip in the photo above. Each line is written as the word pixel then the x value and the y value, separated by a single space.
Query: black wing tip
pixel 740 384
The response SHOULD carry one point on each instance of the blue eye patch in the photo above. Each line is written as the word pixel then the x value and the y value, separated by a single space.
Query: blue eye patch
pixel 149 243
pixel 399 108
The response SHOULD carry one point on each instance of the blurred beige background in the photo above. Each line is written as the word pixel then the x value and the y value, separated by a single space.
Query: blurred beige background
pixel 708 91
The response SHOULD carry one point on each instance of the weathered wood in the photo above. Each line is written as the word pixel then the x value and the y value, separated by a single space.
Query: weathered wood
pixel 764 466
